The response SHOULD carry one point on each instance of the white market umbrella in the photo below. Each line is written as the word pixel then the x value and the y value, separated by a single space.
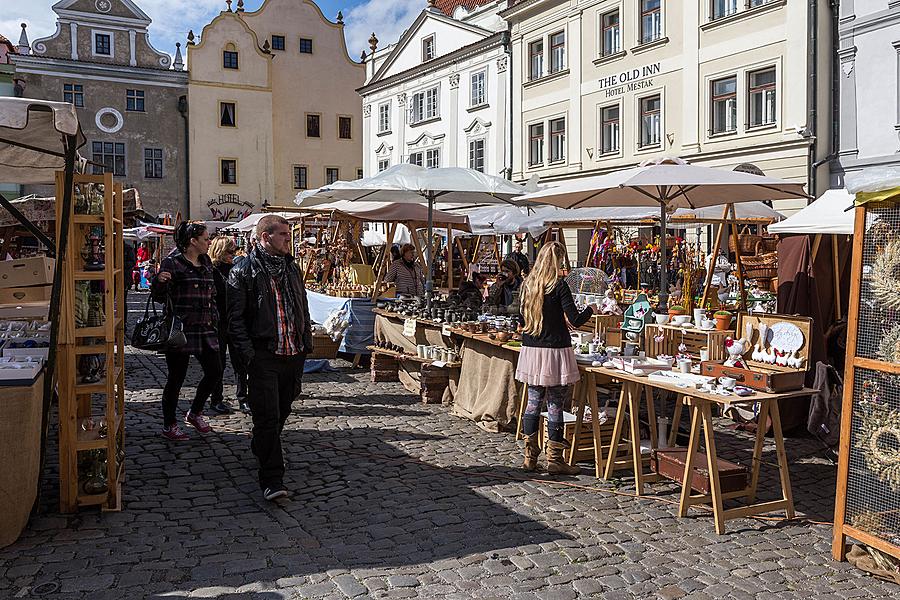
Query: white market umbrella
pixel 411 184
pixel 249 222
pixel 827 215
pixel 668 184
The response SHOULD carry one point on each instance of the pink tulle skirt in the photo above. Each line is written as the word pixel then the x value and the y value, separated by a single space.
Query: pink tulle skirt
pixel 547 366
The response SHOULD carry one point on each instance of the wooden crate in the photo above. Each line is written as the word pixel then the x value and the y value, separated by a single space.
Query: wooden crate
pixel 585 450
pixel 384 368
pixel 694 339
pixel 600 324
pixel 324 347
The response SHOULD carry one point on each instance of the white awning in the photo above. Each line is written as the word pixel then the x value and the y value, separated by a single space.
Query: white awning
pixel 827 215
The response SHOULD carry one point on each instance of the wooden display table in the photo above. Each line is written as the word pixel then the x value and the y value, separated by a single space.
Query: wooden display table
pixel 634 387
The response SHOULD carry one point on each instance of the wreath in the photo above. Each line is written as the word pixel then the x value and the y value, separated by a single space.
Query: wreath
pixel 880 443
pixel 886 276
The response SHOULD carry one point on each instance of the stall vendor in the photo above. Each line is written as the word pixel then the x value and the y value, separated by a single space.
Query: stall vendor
pixel 508 282
pixel 473 289
pixel 406 274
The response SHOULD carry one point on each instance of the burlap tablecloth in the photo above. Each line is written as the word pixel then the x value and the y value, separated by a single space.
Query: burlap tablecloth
pixel 390 329
pixel 20 456
pixel 487 391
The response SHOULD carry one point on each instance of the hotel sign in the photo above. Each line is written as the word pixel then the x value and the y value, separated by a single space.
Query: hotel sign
pixel 629 81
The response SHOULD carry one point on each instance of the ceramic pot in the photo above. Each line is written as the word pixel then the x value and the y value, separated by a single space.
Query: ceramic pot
pixel 723 322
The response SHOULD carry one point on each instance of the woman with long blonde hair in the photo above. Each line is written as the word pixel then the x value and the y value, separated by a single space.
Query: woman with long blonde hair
pixel 547 363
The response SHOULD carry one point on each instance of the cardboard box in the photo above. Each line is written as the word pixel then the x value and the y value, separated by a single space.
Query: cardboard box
pixel 25 310
pixel 18 295
pixel 19 371
pixel 26 271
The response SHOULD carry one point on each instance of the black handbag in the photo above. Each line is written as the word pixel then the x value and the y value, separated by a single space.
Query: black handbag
pixel 159 331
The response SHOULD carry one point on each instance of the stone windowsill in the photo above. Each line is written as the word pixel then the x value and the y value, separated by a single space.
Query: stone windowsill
pixel 742 14
pixel 645 47
pixel 546 78
pixel 609 58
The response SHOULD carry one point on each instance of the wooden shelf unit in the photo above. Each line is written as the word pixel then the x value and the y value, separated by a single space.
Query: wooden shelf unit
pixel 867 501
pixel 79 400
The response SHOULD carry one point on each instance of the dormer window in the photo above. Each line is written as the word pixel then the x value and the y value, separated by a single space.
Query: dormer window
pixel 428 48
pixel 230 57
pixel 103 44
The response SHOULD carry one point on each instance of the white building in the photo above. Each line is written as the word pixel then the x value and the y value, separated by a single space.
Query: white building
pixel 439 96
pixel 869 75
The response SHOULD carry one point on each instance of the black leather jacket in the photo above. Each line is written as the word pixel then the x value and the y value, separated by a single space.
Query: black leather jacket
pixel 251 308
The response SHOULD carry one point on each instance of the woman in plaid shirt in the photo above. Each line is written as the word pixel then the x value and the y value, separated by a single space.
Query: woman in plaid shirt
pixel 186 276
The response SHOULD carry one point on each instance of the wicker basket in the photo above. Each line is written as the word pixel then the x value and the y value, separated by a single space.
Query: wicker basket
pixel 324 347
pixel 763 266
pixel 747 242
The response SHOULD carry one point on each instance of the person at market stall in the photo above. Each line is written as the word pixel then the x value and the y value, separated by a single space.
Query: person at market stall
pixel 222 251
pixel 520 258
pixel 186 277
pixel 269 325
pixel 473 288
pixel 547 362
pixel 508 282
pixel 406 274
pixel 143 253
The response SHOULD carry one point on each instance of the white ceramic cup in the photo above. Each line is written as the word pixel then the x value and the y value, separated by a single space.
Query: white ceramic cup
pixel 704 355
pixel 684 365
pixel 728 382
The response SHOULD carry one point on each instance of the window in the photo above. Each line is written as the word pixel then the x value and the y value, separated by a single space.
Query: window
pixel 383 164
pixel 228 168
pixel 535 59
pixel 277 42
pixel 536 144
pixel 305 46
pixel 344 128
pixel 723 8
pixel 433 158
pixel 227 114
pixel 416 158
pixel 153 163
pixel 651 21
pixel 762 97
pixel 312 126
pixel 230 59
pixel 300 177
pixel 428 48
pixel 557 52
pixel 111 155
pixel 73 93
pixel 611 41
pixel 650 121
pixel 359 173
pixel 332 174
pixel 724 105
pixel 609 130
pixel 425 105
pixel 557 140
pixel 754 3
pixel 134 100
pixel 384 117
pixel 103 44
pixel 478 91
pixel 476 155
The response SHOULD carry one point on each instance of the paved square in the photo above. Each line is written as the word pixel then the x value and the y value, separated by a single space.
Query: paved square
pixel 395 499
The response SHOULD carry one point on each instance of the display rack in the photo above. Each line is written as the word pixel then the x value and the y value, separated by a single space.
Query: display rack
pixel 867 505
pixel 91 352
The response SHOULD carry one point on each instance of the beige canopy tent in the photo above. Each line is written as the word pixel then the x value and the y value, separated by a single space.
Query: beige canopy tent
pixel 38 139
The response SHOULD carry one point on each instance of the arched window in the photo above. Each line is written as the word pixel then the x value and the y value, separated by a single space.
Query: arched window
pixel 230 57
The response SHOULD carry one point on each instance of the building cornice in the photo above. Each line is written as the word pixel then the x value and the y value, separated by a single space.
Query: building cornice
pixel 520 8
pixel 871 22
pixel 47 66
pixel 438 63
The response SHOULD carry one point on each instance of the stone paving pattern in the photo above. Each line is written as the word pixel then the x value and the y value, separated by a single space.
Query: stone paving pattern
pixel 396 499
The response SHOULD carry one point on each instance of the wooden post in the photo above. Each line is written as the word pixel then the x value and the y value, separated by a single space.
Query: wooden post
pixel 837 277
pixel 562 240
pixel 715 255
pixel 462 255
pixel 385 257
pixel 476 251
pixel 817 241
pixel 737 258
pixel 450 257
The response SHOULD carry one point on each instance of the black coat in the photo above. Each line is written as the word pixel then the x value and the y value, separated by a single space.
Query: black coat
pixel 251 308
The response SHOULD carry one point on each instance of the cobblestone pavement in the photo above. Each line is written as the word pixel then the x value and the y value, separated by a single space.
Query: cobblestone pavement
pixel 395 499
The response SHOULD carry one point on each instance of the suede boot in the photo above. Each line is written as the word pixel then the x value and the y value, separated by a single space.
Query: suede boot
pixel 556 464
pixel 532 452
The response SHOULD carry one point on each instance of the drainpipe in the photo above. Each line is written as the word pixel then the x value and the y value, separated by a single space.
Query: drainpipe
pixel 507 49
pixel 183 109
pixel 812 91
pixel 835 81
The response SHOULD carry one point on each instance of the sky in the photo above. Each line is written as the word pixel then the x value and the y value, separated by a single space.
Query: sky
pixel 173 18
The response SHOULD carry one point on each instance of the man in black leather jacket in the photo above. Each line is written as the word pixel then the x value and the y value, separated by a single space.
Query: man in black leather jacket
pixel 270 328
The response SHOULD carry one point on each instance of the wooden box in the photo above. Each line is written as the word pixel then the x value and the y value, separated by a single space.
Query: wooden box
pixel 669 463
pixel 18 295
pixel 324 347
pixel 804 324
pixel 384 368
pixel 764 381
pixel 695 340
pixel 26 271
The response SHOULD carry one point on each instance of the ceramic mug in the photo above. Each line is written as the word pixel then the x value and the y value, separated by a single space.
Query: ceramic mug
pixel 728 382
pixel 684 365
pixel 420 350
pixel 704 355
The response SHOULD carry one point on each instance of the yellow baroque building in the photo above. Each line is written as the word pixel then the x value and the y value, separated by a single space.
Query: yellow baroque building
pixel 273 108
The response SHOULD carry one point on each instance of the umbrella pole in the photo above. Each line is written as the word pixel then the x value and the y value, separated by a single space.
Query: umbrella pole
pixel 663 266
pixel 429 259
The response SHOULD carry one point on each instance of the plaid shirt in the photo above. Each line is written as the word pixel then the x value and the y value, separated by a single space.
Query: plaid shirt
pixel 286 344
pixel 193 291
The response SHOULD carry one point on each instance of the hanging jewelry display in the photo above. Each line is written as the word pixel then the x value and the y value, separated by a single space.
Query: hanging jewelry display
pixel 885 276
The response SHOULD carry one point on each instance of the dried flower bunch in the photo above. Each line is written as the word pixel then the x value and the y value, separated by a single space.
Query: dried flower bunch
pixel 885 279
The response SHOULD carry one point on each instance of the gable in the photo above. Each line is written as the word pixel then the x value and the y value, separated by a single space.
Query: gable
pixel 122 9
pixel 449 35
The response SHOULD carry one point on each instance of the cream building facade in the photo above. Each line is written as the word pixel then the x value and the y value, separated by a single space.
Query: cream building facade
pixel 439 96
pixel 600 85
pixel 274 108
